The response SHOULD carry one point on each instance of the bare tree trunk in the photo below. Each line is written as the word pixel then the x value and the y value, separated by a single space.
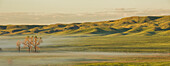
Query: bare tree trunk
pixel 35 48
pixel 35 43
pixel 29 49
pixel 19 49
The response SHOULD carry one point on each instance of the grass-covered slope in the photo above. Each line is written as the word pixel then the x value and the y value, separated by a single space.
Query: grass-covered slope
pixel 136 25
pixel 110 43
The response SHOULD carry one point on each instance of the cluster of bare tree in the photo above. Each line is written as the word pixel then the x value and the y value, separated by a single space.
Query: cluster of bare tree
pixel 30 42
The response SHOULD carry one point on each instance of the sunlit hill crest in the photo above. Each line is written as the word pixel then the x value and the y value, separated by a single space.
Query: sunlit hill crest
pixel 136 25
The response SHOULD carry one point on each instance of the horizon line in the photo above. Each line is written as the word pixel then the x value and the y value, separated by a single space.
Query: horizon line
pixel 87 21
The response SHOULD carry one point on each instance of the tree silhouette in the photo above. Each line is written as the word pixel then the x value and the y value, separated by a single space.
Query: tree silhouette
pixel 18 45
pixel 30 42
pixel 27 43
pixel 37 42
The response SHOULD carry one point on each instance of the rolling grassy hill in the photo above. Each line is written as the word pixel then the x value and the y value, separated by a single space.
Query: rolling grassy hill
pixel 136 25
pixel 148 34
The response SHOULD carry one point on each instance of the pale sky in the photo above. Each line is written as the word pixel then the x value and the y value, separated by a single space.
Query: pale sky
pixel 106 9
pixel 78 5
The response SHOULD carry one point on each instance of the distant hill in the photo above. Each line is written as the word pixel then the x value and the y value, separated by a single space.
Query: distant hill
pixel 136 25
